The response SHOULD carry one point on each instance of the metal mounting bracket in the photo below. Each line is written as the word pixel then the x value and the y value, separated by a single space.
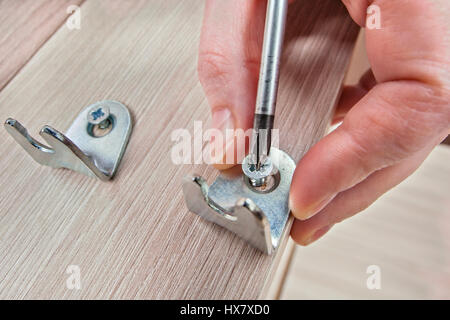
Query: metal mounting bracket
pixel 257 215
pixel 93 145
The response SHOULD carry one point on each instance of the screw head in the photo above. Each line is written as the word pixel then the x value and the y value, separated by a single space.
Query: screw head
pixel 257 176
pixel 98 114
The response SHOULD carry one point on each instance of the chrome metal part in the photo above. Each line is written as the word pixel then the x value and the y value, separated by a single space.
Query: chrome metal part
pixel 80 149
pixel 269 73
pixel 258 216
pixel 99 113
pixel 275 26
pixel 257 174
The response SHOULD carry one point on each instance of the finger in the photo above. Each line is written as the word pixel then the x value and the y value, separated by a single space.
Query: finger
pixel 228 66
pixel 408 43
pixel 391 123
pixel 357 10
pixel 354 200
pixel 398 117
pixel 352 94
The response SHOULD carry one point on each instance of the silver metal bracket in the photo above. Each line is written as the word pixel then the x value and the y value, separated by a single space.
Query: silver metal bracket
pixel 258 215
pixel 91 147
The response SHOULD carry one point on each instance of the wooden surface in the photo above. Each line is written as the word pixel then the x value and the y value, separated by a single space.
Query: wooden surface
pixel 359 62
pixel 275 287
pixel 133 237
pixel 24 26
pixel 406 233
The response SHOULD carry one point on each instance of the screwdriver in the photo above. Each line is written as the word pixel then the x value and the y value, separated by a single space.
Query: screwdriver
pixel 257 165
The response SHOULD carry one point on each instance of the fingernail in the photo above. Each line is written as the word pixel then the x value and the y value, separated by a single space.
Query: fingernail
pixel 223 121
pixel 306 212
pixel 318 234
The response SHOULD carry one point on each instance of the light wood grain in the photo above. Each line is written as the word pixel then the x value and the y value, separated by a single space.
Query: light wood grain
pixel 406 233
pixel 133 237
pixel 275 286
pixel 24 26
pixel 359 62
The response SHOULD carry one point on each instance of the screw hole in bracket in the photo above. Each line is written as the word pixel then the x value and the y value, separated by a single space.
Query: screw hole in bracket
pixel 271 183
pixel 102 129
pixel 261 216
pixel 79 149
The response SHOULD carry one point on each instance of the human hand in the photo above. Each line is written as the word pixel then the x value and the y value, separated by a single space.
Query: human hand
pixel 392 119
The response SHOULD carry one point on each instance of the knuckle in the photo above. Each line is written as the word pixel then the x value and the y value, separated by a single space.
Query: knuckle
pixel 362 149
pixel 213 65
pixel 392 139
pixel 403 119
pixel 432 100
pixel 421 111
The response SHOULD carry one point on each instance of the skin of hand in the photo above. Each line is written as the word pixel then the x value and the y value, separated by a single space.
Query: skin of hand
pixel 392 119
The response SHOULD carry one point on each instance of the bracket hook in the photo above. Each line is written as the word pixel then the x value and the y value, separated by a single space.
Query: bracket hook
pixel 258 216
pixel 81 149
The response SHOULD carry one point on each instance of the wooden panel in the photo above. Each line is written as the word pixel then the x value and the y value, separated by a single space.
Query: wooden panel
pixel 133 237
pixel 24 26
pixel 447 140
pixel 406 233
pixel 275 287
pixel 359 62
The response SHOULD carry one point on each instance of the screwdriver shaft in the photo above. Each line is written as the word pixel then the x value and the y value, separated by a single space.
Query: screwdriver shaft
pixel 268 80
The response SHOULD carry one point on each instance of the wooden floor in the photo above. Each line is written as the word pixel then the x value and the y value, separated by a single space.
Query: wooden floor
pixel 24 27
pixel 133 237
